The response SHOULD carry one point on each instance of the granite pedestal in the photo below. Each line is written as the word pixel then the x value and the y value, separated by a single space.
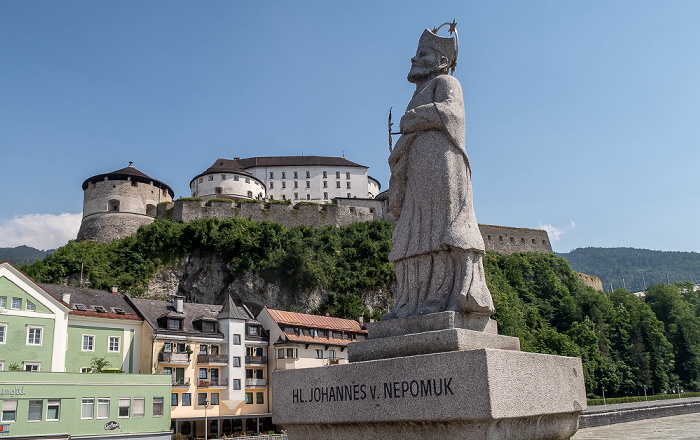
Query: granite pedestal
pixel 451 382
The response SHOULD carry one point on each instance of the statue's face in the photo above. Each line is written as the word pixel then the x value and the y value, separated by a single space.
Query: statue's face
pixel 424 64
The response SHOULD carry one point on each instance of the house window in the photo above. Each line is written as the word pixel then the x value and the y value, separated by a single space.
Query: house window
pixel 325 175
pixel 319 354
pixel 124 407
pixel 30 306
pixel 284 185
pixel 202 373
pixel 17 303
pixel 53 409
pixel 186 399
pixel 203 349
pixel 214 399
pixel 308 197
pixel 337 184
pixel 284 175
pixel 102 408
pixel 3 302
pixel 296 175
pixel 325 184
pixel 236 339
pixel 35 409
pixel 32 366
pixel 296 196
pixel 253 330
pixel 290 353
pixel 296 184
pixel 3 332
pixel 248 398
pixel 236 361
pixel 114 344
pixel 280 353
pixel 168 347
pixel 308 174
pixel 87 410
pixel 34 336
pixel 88 343
pixel 308 184
pixel 173 399
pixel 259 398
pixel 337 174
pixel 9 410
pixel 157 407
pixel 272 175
pixel 272 185
pixel 331 354
pixel 85 369
pixel 139 407
pixel 347 185
pixel 202 399
pixel 236 384
pixel 325 196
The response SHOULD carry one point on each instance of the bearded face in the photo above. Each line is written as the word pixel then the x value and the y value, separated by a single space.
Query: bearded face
pixel 425 64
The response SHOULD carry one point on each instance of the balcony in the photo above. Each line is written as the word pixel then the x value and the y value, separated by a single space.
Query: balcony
pixel 256 360
pixel 255 383
pixel 181 383
pixel 220 359
pixel 213 383
pixel 174 358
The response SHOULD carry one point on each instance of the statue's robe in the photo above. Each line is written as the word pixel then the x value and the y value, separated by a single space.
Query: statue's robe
pixel 437 247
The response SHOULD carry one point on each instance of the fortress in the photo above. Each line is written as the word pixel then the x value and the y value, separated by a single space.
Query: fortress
pixel 295 190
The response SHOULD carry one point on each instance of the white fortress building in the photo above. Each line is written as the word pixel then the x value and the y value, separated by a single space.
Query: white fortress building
pixel 318 179
pixel 115 204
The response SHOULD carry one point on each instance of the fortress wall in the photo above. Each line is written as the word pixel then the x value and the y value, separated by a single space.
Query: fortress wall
pixel 131 198
pixel 107 226
pixel 507 240
pixel 591 281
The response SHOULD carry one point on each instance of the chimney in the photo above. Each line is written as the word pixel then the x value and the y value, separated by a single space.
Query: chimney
pixel 114 290
pixel 66 298
pixel 361 320
pixel 178 302
pixel 131 164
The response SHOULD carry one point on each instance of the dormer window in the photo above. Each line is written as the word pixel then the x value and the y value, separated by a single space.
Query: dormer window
pixel 174 324
pixel 253 330
pixel 208 327
pixel 118 311
pixel 99 309
pixel 80 307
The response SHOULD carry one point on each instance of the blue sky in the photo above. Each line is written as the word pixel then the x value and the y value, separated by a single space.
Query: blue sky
pixel 582 117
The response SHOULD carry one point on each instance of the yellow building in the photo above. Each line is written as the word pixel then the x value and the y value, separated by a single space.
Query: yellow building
pixel 217 357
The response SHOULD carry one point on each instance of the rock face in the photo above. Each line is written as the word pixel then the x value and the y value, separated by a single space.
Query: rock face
pixel 206 278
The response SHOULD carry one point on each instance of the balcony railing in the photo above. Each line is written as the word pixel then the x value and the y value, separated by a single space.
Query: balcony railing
pixel 181 383
pixel 212 359
pixel 256 360
pixel 174 358
pixel 255 383
pixel 209 383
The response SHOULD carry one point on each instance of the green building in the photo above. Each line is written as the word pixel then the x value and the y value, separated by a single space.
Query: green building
pixel 82 406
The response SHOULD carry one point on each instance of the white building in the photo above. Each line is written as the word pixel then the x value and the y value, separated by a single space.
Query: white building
pixel 297 178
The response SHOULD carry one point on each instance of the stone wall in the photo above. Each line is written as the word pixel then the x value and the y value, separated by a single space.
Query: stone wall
pixel 506 240
pixel 591 281
pixel 107 226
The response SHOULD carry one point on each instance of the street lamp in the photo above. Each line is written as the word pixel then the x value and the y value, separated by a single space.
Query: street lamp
pixel 603 388
pixel 679 390
pixel 206 421
pixel 645 393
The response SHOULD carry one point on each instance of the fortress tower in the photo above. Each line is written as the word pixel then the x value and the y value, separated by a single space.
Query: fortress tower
pixel 117 203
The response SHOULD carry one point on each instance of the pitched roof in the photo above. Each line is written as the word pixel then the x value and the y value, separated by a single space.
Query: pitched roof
pixel 113 304
pixel 230 311
pixel 316 340
pixel 315 321
pixel 128 172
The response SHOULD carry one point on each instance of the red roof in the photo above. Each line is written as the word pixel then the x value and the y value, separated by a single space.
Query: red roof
pixel 313 340
pixel 104 315
pixel 315 321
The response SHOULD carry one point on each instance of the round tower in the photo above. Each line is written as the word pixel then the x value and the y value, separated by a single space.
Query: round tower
pixel 117 203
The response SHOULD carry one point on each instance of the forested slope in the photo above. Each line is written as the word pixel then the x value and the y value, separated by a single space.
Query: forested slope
pixel 625 342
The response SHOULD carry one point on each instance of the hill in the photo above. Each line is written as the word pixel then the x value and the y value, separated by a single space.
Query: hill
pixel 625 342
pixel 21 255
pixel 637 267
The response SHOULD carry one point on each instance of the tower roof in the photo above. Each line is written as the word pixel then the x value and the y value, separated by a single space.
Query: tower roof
pixel 229 310
pixel 128 172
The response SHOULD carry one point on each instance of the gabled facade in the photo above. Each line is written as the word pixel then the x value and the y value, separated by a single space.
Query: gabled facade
pixel 33 324
pixel 204 348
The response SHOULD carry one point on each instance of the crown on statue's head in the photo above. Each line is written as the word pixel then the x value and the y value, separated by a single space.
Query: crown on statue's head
pixel 445 46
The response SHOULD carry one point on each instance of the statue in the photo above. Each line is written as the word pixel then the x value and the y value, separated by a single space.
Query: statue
pixel 437 248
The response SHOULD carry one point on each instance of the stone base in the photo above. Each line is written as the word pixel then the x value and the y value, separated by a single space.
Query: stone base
pixel 429 323
pixel 477 394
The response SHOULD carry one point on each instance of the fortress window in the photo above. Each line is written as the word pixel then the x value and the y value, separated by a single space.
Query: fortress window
pixel 210 177
pixel 296 184
pixel 325 196
pixel 250 194
pixel 192 193
pixel 533 241
pixel 544 242
pixel 349 195
pixel 337 184
pixel 284 175
pixel 347 175
pixel 512 240
pixel 114 205
pixel 223 177
pixel 284 184
pixel 308 184
pixel 500 238
pixel 325 184
pixel 489 237
pixel 296 196
pixel 151 210
pixel 325 174
pixel 308 197
pixel 201 179
pixel 272 197
pixel 247 180
pixel 134 183
pixel 308 174
pixel 272 175
pixel 235 178
pixel 284 197
pixel 296 175
pixel 522 240
pixel 347 185
pixel 337 174
pixel 272 185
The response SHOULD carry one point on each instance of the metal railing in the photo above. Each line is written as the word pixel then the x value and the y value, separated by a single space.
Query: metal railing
pixel 174 358
pixel 254 382
pixel 181 382
pixel 218 382
pixel 256 360
pixel 212 359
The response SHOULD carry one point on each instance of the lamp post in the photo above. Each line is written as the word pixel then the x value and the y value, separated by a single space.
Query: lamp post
pixel 603 388
pixel 679 390
pixel 645 393
pixel 206 421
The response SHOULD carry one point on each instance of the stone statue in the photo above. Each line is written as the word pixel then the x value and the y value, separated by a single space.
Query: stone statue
pixel 437 248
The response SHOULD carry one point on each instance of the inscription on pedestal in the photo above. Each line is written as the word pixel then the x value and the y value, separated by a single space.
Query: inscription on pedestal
pixel 404 389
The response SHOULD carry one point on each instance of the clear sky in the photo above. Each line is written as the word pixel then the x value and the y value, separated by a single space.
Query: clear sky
pixel 582 117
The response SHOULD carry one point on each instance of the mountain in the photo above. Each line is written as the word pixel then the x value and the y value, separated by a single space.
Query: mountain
pixel 637 267
pixel 21 255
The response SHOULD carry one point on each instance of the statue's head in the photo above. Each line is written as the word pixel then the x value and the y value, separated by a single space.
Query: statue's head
pixel 435 56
